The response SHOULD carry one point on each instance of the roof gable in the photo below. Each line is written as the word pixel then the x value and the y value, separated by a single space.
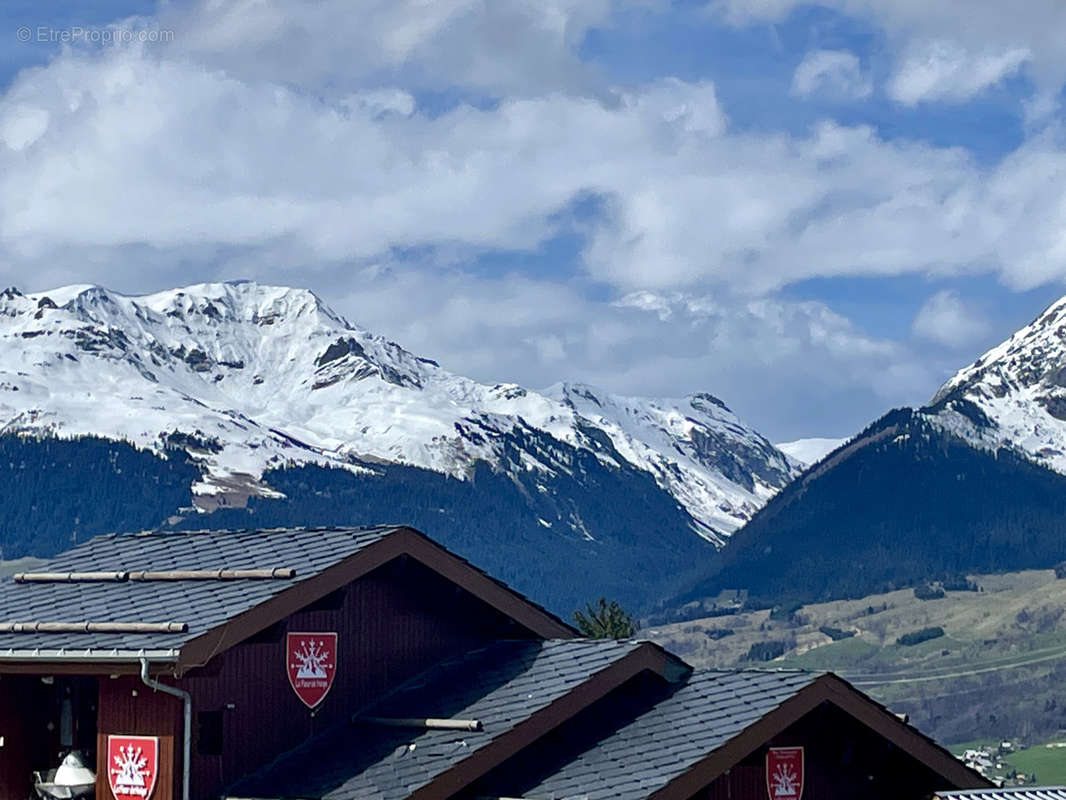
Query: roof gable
pixel 213 615
pixel 827 687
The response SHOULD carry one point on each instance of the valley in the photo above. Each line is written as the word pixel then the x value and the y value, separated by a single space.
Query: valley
pixel 996 670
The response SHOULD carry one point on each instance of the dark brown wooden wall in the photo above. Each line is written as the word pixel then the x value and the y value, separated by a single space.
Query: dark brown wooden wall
pixel 843 760
pixel 25 737
pixel 127 706
pixel 392 624
pixel 30 724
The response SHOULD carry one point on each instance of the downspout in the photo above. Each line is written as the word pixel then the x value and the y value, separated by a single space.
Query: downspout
pixel 186 744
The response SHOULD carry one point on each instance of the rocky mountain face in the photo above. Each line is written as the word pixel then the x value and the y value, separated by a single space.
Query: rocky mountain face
pixel 1015 394
pixel 268 399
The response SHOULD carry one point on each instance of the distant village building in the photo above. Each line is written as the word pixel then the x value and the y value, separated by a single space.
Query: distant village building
pixel 373 663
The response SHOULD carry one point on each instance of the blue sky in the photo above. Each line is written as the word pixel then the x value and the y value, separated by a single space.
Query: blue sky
pixel 815 211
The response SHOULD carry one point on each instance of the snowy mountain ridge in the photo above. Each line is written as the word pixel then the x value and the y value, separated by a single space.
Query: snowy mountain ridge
pixel 1014 395
pixel 246 377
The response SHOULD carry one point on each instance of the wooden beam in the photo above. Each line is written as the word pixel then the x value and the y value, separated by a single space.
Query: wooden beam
pixel 275 573
pixel 70 577
pixel 272 573
pixel 424 723
pixel 93 627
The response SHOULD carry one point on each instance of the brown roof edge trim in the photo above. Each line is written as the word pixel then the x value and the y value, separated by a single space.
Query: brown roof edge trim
pixel 902 735
pixel 400 541
pixel 825 688
pixel 646 657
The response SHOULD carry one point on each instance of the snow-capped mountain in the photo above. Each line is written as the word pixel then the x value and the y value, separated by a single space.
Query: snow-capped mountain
pixel 247 377
pixel 1015 394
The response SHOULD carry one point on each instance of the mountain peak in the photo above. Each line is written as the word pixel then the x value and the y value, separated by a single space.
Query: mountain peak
pixel 1032 355
pixel 1014 395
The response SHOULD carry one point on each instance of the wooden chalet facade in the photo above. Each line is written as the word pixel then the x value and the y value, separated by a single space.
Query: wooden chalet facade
pixel 189 643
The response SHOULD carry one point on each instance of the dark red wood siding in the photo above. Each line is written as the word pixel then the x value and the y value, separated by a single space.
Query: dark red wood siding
pixel 392 624
pixel 127 706
pixel 843 760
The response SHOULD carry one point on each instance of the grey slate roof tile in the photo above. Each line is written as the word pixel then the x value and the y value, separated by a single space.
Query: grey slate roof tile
pixel 501 685
pixel 710 708
pixel 200 604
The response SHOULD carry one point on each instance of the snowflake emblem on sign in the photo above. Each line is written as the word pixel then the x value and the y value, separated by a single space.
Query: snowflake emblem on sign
pixel 786 781
pixel 311 659
pixel 132 766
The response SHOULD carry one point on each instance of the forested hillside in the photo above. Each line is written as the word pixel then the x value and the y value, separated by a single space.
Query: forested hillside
pixel 904 503
pixel 54 492
pixel 635 541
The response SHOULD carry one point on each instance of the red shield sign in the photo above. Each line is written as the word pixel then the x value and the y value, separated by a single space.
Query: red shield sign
pixel 784 773
pixel 132 766
pixel 311 663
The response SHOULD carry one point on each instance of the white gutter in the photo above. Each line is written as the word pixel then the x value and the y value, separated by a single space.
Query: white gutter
pixel 86 655
pixel 186 743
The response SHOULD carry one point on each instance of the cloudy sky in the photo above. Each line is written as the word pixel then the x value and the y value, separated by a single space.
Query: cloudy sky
pixel 815 211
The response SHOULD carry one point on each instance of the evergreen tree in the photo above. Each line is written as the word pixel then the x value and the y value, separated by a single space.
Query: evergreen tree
pixel 605 620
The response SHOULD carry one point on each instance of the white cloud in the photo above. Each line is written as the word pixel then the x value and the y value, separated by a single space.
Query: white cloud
pixel 981 28
pixel 834 72
pixel 496 46
pixel 945 319
pixel 153 159
pixel 944 70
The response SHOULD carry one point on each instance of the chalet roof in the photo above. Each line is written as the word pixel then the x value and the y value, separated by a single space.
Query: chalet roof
pixel 322 559
pixel 709 709
pixel 514 688
pixel 669 738
pixel 1019 793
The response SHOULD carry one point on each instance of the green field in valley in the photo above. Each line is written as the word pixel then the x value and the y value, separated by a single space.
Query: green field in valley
pixel 1046 761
